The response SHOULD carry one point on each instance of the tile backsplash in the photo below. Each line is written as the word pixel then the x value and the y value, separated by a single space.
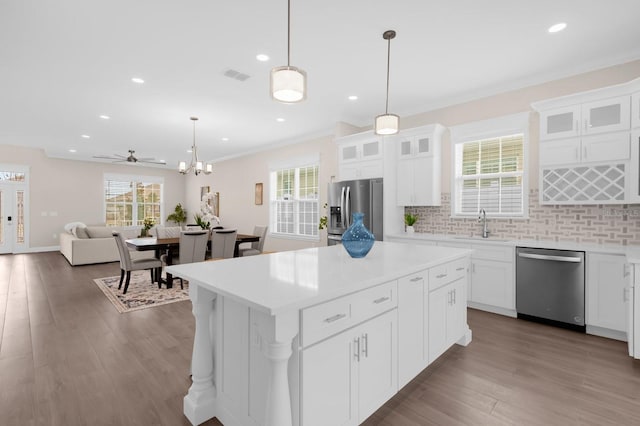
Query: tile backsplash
pixel 597 224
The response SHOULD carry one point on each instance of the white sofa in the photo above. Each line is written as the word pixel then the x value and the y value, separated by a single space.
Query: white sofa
pixel 94 244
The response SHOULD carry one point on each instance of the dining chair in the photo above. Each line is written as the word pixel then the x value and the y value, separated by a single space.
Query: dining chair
pixel 256 246
pixel 223 243
pixel 193 248
pixel 168 231
pixel 127 264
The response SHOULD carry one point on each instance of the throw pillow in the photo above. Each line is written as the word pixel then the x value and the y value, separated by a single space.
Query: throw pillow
pixel 69 227
pixel 81 232
pixel 99 232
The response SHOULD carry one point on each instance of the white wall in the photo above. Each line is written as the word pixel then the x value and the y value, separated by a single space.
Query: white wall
pixel 235 180
pixel 74 191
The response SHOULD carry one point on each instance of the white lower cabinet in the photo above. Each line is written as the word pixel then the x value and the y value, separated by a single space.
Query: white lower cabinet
pixel 607 277
pixel 412 333
pixel 345 378
pixel 447 315
pixel 492 283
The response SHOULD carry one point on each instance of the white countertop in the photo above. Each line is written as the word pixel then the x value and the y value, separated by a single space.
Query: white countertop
pixel 284 281
pixel 559 245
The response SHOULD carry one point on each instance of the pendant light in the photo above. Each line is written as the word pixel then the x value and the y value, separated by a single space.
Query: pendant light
pixel 288 84
pixel 196 166
pixel 387 124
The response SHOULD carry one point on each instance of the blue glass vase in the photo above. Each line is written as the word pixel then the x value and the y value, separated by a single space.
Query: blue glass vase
pixel 357 239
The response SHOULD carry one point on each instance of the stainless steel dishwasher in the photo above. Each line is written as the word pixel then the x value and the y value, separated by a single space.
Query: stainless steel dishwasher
pixel 550 286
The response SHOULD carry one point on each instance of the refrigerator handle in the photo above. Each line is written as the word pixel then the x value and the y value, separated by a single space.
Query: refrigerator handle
pixel 342 206
pixel 348 203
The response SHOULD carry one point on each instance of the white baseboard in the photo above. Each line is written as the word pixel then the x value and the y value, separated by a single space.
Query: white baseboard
pixel 607 332
pixel 493 309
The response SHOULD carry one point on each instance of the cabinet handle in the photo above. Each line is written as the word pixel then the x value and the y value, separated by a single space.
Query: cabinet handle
pixel 365 345
pixel 454 296
pixel 413 280
pixel 356 347
pixel 460 268
pixel 585 124
pixel 381 299
pixel 441 276
pixel 334 318
pixel 449 297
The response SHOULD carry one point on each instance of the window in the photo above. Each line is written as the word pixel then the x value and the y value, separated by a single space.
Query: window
pixel 294 201
pixel 489 169
pixel 129 200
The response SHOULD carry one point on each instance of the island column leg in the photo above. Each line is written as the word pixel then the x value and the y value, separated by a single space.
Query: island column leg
pixel 277 334
pixel 199 404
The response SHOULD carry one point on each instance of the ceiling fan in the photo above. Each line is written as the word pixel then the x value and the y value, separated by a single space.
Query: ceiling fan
pixel 131 158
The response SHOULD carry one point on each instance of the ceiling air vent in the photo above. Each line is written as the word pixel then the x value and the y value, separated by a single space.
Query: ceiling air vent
pixel 236 75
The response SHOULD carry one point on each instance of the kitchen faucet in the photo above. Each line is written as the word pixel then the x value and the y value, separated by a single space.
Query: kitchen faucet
pixel 482 218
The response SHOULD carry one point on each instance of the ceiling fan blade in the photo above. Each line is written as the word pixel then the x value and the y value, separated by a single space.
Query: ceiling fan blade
pixel 152 161
pixel 106 157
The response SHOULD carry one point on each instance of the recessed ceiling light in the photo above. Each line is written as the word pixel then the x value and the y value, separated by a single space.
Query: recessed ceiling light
pixel 557 27
pixel 279 120
pixel 353 98
pixel 105 117
pixel 85 136
pixel 225 139
pixel 72 150
pixel 137 80
pixel 262 57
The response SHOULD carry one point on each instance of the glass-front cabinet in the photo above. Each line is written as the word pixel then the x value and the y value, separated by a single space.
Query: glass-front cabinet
pixel 608 115
pixel 602 116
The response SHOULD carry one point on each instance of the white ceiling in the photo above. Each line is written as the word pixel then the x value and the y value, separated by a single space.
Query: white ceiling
pixel 64 63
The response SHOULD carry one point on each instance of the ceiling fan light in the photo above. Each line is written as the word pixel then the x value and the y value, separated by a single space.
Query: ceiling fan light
pixel 288 84
pixel 208 168
pixel 387 124
pixel 182 167
pixel 199 166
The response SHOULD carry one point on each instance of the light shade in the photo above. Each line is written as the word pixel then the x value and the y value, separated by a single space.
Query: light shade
pixel 182 167
pixel 387 124
pixel 288 84
pixel 208 168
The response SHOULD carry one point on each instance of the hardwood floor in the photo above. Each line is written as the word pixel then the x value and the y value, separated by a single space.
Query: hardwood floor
pixel 67 357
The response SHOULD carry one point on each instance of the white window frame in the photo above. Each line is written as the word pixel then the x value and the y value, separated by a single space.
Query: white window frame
pixel 300 163
pixel 136 179
pixel 487 129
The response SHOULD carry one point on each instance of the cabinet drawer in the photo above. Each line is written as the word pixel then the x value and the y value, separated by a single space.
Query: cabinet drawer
pixel 444 274
pixel 370 302
pixel 491 252
pixel 329 318
pixel 326 319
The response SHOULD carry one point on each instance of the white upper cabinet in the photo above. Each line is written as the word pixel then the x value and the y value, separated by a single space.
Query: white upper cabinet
pixel 419 166
pixel 597 148
pixel 635 110
pixel 360 156
pixel 602 116
pixel 560 122
pixel 608 115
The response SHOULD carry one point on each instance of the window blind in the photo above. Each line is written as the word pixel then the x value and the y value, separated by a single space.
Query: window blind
pixel 490 176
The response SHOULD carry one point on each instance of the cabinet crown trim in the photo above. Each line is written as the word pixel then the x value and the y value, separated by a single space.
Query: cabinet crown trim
pixel 587 96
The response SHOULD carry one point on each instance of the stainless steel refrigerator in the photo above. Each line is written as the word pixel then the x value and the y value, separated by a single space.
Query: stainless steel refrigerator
pixel 348 197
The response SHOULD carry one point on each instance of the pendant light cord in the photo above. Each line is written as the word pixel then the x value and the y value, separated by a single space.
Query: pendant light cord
pixel 386 107
pixel 288 33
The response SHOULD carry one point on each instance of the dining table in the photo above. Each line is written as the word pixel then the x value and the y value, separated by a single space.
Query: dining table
pixel 169 245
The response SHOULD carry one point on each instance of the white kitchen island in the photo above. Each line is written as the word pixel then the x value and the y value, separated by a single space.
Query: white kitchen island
pixel 314 337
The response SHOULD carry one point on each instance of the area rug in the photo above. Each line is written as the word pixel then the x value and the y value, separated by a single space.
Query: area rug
pixel 142 293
